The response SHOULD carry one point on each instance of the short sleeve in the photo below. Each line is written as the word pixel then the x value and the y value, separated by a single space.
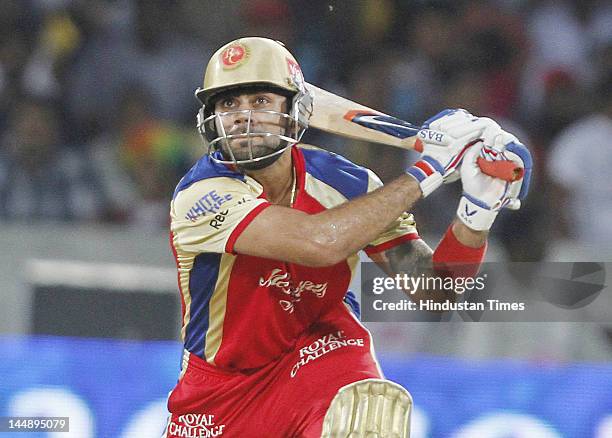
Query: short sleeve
pixel 209 215
pixel 402 230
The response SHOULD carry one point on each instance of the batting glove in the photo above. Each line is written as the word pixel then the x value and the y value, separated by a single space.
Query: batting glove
pixel 444 140
pixel 484 196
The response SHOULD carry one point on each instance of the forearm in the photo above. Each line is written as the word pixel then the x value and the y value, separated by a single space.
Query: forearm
pixel 351 226
pixel 468 237
pixel 413 259
pixel 459 253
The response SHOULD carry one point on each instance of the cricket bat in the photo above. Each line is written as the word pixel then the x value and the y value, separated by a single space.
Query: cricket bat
pixel 340 116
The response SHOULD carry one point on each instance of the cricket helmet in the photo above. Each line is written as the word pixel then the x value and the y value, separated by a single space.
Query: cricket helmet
pixel 250 64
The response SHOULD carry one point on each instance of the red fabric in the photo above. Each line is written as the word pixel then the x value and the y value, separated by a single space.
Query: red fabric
pixel 391 243
pixel 229 246
pixel 282 300
pixel 300 168
pixel 286 293
pixel 425 167
pixel 282 399
pixel 451 255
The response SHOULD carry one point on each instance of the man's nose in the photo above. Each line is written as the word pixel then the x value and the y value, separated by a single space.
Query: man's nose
pixel 242 116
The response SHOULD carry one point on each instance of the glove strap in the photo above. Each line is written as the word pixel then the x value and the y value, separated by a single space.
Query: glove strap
pixel 475 214
pixel 428 173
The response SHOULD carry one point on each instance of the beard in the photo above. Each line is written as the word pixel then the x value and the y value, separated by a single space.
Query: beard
pixel 259 146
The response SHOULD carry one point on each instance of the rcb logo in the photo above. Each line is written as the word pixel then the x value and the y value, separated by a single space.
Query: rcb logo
pixel 234 55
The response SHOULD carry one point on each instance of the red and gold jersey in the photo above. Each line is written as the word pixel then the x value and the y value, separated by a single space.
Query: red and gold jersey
pixel 241 312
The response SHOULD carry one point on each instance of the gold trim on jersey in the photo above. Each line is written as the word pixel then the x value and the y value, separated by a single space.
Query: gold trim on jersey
pixel 325 194
pixel 217 308
pixel 185 264
pixel 352 262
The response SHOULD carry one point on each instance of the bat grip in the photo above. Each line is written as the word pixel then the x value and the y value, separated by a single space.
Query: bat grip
pixel 506 170
pixel 502 169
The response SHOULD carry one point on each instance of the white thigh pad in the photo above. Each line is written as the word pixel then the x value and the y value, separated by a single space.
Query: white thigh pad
pixel 371 408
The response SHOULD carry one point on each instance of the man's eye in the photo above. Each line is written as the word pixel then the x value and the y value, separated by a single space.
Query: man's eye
pixel 228 103
pixel 262 100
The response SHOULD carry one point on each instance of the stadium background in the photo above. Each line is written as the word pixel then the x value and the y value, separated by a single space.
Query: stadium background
pixel 97 126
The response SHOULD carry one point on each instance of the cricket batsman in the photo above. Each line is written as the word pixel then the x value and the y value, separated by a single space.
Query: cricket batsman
pixel 266 231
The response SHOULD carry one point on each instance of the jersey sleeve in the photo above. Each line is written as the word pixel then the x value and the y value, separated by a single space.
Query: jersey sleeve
pixel 403 229
pixel 209 215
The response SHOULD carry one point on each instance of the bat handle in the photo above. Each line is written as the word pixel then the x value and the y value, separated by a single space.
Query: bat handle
pixel 506 170
pixel 502 169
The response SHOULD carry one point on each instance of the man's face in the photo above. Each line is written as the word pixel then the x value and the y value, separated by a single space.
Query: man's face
pixel 238 122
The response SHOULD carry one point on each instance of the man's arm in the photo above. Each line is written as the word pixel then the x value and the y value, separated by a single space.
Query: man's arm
pixel 331 236
pixel 326 238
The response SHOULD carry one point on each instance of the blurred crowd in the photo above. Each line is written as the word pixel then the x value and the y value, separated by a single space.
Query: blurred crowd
pixel 97 112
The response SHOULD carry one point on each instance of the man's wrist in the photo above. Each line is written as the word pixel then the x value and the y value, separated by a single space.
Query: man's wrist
pixel 460 252
pixel 467 236
pixel 428 173
pixel 412 184
pixel 475 214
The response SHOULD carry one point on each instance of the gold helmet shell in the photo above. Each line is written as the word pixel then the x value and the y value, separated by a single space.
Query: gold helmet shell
pixel 248 63
pixel 251 61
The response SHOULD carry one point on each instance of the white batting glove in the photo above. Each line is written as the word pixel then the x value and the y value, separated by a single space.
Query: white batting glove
pixel 444 139
pixel 484 196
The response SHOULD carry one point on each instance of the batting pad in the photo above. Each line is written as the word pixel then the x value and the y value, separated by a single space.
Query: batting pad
pixel 371 408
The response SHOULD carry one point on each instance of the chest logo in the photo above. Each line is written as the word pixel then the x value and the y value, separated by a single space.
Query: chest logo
pixel 292 292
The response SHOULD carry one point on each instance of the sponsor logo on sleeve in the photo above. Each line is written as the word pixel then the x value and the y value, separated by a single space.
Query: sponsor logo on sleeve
pixel 218 220
pixel 208 204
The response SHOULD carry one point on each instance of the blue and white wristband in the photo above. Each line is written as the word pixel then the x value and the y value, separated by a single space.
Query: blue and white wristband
pixel 428 173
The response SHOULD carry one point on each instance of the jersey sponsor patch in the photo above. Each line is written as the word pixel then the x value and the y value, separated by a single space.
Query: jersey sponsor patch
pixel 324 345
pixel 282 280
pixel 194 425
pixel 207 212
pixel 210 203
